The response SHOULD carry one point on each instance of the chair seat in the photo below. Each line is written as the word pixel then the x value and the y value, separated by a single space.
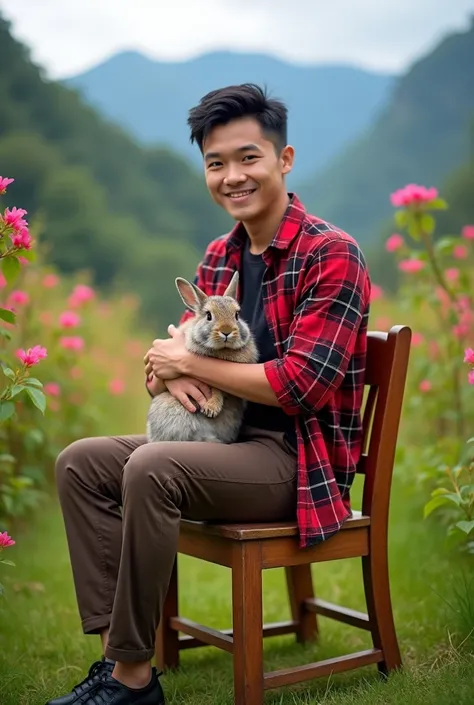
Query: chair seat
pixel 247 532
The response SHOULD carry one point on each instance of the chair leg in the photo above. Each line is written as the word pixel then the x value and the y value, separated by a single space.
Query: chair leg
pixel 167 640
pixel 379 606
pixel 247 623
pixel 300 588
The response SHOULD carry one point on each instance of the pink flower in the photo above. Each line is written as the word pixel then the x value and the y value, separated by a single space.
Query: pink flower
pixel 452 274
pixel 22 239
pixel 4 182
pixel 376 292
pixel 52 388
pixel 469 356
pixel 460 252
pixel 417 339
pixel 383 323
pixel 394 242
pixel 14 218
pixel 411 266
pixel 425 385
pixel 434 349
pixel 32 356
pixel 76 373
pixel 470 377
pixel 80 295
pixel 3 281
pixel 5 540
pixel 413 194
pixel 72 343
pixel 116 386
pixel 50 281
pixel 69 319
pixel 46 317
pixel 461 330
pixel 468 232
pixel 21 298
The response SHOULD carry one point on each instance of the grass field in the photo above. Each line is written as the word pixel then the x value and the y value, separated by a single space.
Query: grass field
pixel 43 652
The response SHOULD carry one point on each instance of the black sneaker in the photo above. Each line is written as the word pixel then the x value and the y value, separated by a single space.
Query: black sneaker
pixel 109 691
pixel 97 669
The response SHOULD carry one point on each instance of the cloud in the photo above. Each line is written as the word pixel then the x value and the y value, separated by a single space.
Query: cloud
pixel 67 37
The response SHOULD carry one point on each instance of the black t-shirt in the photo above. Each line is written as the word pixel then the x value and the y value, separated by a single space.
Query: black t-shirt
pixel 253 268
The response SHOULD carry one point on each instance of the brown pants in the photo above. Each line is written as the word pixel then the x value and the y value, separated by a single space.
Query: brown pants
pixel 122 499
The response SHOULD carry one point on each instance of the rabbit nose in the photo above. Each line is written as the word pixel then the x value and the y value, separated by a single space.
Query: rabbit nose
pixel 226 332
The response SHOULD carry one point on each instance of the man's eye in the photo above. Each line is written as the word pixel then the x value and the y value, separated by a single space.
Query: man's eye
pixel 250 156
pixel 212 165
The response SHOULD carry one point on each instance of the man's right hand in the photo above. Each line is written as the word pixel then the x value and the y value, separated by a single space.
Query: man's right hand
pixel 184 389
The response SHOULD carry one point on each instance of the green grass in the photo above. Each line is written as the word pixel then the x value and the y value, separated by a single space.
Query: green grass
pixel 43 651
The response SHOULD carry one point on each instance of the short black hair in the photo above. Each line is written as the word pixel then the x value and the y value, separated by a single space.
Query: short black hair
pixel 232 102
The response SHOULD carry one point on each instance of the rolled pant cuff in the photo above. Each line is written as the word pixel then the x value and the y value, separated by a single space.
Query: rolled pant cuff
pixel 94 625
pixel 128 656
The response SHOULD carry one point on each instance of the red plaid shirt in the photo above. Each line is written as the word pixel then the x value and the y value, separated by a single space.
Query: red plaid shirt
pixel 316 294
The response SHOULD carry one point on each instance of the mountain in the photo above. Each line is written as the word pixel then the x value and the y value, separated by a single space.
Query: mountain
pixel 423 133
pixel 129 214
pixel 151 99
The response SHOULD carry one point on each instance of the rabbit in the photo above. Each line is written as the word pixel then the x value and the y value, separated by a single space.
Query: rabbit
pixel 216 331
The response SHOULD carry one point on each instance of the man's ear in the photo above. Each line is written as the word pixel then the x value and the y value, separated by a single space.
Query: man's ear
pixel 192 296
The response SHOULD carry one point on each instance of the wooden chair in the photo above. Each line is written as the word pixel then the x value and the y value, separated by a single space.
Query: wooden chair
pixel 249 549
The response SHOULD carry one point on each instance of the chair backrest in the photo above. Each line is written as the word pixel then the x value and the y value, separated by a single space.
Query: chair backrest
pixel 386 371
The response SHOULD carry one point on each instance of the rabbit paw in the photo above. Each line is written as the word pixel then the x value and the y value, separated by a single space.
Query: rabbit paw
pixel 212 407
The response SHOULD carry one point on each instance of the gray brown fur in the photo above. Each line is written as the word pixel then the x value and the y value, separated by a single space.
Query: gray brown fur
pixel 220 419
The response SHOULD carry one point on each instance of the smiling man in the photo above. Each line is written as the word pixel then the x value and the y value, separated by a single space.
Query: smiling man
pixel 304 290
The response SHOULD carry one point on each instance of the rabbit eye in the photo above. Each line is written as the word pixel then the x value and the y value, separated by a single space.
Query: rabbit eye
pixel 209 316
pixel 236 315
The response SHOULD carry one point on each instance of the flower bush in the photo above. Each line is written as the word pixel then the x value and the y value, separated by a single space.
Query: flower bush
pixel 89 354
pixel 436 296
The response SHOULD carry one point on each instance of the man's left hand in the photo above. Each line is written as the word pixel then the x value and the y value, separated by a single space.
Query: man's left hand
pixel 165 359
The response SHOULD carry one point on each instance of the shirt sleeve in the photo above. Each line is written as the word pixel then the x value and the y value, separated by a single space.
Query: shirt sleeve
pixel 324 331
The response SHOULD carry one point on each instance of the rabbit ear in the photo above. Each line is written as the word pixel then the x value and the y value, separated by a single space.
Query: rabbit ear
pixel 192 295
pixel 232 288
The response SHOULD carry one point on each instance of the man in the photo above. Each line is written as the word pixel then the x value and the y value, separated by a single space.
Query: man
pixel 304 289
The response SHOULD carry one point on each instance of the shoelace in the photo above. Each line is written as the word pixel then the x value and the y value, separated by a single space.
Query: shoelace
pixel 107 685
pixel 94 670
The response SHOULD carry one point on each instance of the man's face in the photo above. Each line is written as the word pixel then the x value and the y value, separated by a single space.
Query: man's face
pixel 244 173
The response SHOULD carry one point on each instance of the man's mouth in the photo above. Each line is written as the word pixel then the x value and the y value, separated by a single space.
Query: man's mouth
pixel 236 195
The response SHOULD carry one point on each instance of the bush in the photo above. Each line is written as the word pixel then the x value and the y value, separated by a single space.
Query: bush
pixel 436 295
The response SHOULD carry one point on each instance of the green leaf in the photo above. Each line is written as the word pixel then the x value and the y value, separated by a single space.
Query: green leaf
pixel 466 526
pixel 7 562
pixel 7 409
pixel 438 204
pixel 15 390
pixel 414 230
pixel 9 373
pixel 30 255
pixel 470 440
pixel 7 315
pixel 439 491
pixel 33 382
pixel 445 245
pixel 37 397
pixel 11 268
pixel 5 333
pixel 433 504
pixel 401 218
pixel 427 223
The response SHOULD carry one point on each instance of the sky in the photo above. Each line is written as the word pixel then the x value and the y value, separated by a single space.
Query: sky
pixel 67 37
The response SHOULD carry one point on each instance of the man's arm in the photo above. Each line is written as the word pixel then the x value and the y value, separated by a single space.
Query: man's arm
pixel 322 339
pixel 246 381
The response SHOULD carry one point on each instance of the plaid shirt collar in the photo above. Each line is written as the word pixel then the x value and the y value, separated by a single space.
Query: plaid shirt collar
pixel 288 229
